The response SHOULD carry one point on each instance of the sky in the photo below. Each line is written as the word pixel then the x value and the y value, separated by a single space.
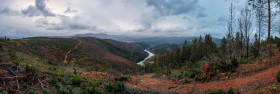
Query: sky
pixel 183 18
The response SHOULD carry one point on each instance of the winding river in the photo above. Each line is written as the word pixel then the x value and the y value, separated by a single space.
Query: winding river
pixel 150 55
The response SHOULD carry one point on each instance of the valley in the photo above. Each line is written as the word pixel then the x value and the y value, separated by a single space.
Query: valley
pixel 140 47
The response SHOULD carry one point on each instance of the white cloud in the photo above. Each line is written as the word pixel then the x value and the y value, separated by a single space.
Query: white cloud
pixel 134 17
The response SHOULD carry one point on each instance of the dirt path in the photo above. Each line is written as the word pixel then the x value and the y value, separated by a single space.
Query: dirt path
pixel 65 59
pixel 246 84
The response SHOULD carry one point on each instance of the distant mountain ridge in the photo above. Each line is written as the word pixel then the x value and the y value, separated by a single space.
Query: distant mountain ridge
pixel 150 40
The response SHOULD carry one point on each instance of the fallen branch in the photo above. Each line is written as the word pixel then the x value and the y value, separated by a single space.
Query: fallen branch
pixel 17 83
pixel 41 84
pixel 12 77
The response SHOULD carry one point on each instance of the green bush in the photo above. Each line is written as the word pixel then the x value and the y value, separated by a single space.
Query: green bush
pixel 186 81
pixel 65 90
pixel 3 92
pixel 193 72
pixel 12 53
pixel 273 89
pixel 17 62
pixel 278 77
pixel 116 87
pixel 218 91
pixel 77 91
pixel 197 78
pixel 30 68
pixel 51 62
pixel 46 91
pixel 32 91
pixel 234 62
pixel 176 75
pixel 95 87
pixel 230 90
pixel 77 80
pixel 213 73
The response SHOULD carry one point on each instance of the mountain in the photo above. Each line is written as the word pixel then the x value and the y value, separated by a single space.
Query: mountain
pixel 148 40
pixel 85 51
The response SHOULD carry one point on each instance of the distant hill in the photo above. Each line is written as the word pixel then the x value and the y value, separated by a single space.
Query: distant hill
pixel 91 51
pixel 139 39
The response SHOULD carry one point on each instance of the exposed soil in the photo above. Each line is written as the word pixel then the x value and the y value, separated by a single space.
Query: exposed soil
pixel 263 74
pixel 65 59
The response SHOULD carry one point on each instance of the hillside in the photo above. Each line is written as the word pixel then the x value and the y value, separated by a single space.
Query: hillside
pixel 83 51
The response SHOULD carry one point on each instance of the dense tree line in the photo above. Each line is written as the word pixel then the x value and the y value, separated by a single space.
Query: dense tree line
pixel 243 40
pixel 188 53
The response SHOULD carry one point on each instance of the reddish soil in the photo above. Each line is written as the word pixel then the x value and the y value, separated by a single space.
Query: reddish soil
pixel 65 59
pixel 263 76
pixel 97 51
pixel 97 75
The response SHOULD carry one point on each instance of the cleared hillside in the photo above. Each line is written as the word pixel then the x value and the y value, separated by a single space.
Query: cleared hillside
pixel 90 51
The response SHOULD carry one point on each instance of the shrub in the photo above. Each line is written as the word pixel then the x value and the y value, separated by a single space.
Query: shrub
pixel 76 79
pixel 193 72
pixel 272 89
pixel 3 92
pixel 278 77
pixel 234 62
pixel 77 91
pixel 196 78
pixel 30 68
pixel 186 81
pixel 64 90
pixel 213 73
pixel 218 91
pixel 51 62
pixel 230 90
pixel 17 62
pixel 32 91
pixel 12 53
pixel 95 87
pixel 46 91
pixel 116 87
pixel 176 75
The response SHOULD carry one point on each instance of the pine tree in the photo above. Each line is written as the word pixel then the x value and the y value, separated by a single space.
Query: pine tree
pixel 178 57
pixel 237 42
pixel 194 52
pixel 186 52
pixel 200 46
pixel 223 46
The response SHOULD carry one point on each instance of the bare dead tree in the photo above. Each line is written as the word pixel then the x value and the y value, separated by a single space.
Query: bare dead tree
pixel 269 26
pixel 240 27
pixel 259 9
pixel 247 18
pixel 230 26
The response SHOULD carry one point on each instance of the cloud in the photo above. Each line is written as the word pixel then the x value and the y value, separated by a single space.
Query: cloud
pixel 37 10
pixel 9 12
pixel 176 7
pixel 69 10
pixel 64 23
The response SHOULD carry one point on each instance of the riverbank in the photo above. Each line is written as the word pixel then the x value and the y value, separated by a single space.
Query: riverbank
pixel 149 56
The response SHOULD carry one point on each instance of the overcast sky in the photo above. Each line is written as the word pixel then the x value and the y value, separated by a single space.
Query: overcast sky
pixel 27 18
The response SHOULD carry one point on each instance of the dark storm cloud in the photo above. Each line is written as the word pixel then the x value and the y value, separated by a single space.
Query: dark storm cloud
pixel 37 10
pixel 176 7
